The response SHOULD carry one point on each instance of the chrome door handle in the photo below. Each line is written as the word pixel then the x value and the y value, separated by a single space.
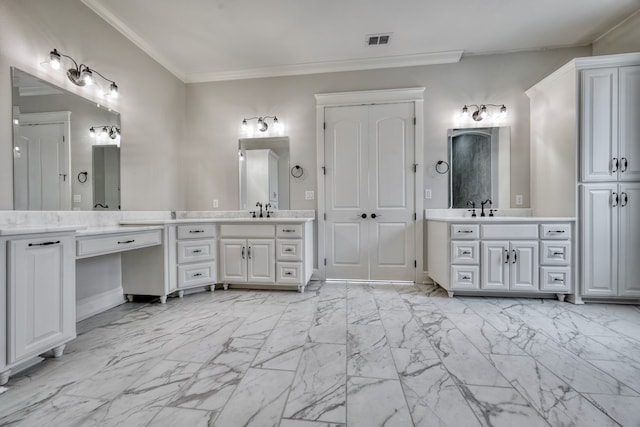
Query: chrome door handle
pixel 624 163
pixel 515 256
pixel 506 254
pixel 614 164
pixel 625 199
pixel 614 199
pixel 249 252
pixel 243 252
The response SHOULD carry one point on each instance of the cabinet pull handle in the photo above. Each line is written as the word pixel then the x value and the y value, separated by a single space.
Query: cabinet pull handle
pixel 249 252
pixel 557 279
pixel 45 243
pixel 506 254
pixel 465 231
pixel 615 199
pixel 556 231
pixel 288 230
pixel 124 242
pixel 625 199
pixel 558 253
pixel 615 164
pixel 243 252
pixel 197 275
pixel 288 273
pixel 466 252
pixel 515 256
pixel 624 163
pixel 466 278
pixel 196 231
pixel 196 251
pixel 288 250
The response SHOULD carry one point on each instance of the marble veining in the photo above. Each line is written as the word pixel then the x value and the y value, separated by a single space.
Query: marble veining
pixel 341 354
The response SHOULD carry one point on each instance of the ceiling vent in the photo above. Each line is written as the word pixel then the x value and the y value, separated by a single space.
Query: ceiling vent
pixel 378 39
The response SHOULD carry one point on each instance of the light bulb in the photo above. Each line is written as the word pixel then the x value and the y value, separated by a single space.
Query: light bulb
pixel 503 111
pixel 113 90
pixel 54 59
pixel 87 76
pixel 483 112
pixel 465 111
pixel 105 131
pixel 245 126
pixel 92 132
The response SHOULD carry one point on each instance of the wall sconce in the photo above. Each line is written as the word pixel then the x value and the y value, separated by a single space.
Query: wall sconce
pixel 481 112
pixel 80 75
pixel 110 131
pixel 262 125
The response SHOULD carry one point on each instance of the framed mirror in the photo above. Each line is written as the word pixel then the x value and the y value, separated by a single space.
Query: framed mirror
pixel 263 165
pixel 54 166
pixel 480 166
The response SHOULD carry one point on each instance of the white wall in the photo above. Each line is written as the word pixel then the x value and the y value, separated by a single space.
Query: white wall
pixel 624 38
pixel 215 111
pixel 152 101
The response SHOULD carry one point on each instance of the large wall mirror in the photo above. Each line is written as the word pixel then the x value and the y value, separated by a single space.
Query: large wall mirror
pixel 264 172
pixel 57 163
pixel 480 164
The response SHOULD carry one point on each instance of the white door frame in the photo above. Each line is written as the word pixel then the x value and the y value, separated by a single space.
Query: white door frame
pixel 340 99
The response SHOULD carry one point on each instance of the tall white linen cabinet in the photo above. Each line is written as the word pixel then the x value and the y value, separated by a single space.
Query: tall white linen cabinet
pixel 585 162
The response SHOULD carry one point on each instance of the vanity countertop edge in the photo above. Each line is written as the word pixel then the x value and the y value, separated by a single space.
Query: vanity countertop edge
pixel 498 219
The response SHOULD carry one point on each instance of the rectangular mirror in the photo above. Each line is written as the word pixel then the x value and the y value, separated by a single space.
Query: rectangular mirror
pixel 480 165
pixel 106 177
pixel 53 154
pixel 263 164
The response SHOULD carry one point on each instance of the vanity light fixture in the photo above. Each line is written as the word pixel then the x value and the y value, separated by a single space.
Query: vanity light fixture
pixel 481 112
pixel 108 130
pixel 80 75
pixel 262 125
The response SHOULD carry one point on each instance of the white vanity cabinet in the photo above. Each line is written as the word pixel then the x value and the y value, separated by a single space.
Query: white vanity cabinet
pixel 39 286
pixel 196 256
pixel 492 257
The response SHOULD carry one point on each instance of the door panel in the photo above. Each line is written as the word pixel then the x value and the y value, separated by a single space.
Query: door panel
pixel 495 265
pixel 629 123
pixel 599 234
pixel 629 232
pixel 349 250
pixel 261 261
pixel 524 266
pixel 232 260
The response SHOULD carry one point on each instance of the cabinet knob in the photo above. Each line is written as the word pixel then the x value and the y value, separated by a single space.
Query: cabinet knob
pixel 288 273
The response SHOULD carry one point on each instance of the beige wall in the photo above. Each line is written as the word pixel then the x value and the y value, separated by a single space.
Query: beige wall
pixel 623 39
pixel 215 110
pixel 152 101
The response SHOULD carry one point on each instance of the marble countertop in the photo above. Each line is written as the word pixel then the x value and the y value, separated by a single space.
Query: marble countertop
pixel 249 220
pixel 489 219
pixel 96 231
pixel 14 230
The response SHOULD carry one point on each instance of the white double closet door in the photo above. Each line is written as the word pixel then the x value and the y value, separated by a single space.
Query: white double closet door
pixel 369 191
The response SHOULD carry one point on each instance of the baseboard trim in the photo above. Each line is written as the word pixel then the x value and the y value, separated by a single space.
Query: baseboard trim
pixel 95 304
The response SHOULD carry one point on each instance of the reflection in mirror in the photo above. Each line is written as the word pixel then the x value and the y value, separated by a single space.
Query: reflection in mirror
pixel 52 147
pixel 480 166
pixel 106 177
pixel 263 164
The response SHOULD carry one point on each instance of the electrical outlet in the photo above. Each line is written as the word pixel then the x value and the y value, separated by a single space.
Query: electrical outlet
pixel 519 200
pixel 77 198
pixel 309 195
pixel 215 203
pixel 427 193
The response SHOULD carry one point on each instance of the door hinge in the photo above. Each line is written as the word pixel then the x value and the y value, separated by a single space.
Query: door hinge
pixel 62 138
pixel 324 170
pixel 325 261
pixel 324 125
pixel 415 263
pixel 415 167
pixel 415 216
pixel 414 121
pixel 325 216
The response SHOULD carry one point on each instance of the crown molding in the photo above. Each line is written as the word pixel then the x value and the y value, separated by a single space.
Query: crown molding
pixel 124 29
pixel 447 57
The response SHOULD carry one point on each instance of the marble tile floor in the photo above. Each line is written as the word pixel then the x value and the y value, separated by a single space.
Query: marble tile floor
pixel 340 354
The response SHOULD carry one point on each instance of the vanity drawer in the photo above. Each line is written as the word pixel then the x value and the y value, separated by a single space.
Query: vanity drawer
pixel 196 274
pixel 555 231
pixel 196 250
pixel 94 246
pixel 509 231
pixel 289 249
pixel 555 279
pixel 288 230
pixel 247 230
pixel 465 277
pixel 289 273
pixel 196 231
pixel 464 252
pixel 464 231
pixel 555 252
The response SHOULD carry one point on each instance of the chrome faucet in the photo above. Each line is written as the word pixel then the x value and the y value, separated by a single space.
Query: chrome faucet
pixel 260 205
pixel 482 207
pixel 473 208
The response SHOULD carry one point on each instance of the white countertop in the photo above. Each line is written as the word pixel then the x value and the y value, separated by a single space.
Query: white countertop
pixel 248 220
pixel 14 230
pixel 94 231
pixel 489 219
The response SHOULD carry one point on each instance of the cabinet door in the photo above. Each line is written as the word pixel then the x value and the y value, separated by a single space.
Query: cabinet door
pixel 41 293
pixel 233 260
pixel 629 232
pixel 629 123
pixel 261 261
pixel 523 275
pixel 495 265
pixel 599 236
pixel 599 124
